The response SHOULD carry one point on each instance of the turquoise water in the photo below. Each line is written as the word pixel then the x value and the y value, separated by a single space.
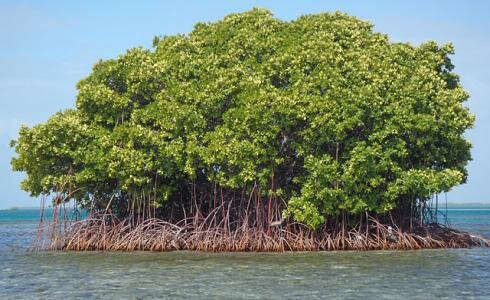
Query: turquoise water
pixel 426 274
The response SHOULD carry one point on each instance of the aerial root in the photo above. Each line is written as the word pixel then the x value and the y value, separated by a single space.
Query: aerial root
pixel 104 232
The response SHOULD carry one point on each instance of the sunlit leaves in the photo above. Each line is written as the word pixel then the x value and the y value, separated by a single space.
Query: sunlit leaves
pixel 337 116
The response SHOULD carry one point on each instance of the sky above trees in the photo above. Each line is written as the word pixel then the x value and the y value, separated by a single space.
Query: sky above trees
pixel 47 47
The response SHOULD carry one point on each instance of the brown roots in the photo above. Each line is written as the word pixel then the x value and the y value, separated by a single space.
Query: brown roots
pixel 105 232
pixel 219 222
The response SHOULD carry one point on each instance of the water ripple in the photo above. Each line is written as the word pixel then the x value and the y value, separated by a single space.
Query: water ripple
pixel 426 274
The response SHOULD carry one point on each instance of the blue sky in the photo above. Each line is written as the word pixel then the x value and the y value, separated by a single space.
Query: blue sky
pixel 47 46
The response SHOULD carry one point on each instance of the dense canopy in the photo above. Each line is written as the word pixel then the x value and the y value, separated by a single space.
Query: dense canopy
pixel 321 112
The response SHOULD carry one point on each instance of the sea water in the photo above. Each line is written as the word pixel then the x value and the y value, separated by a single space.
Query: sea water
pixel 423 274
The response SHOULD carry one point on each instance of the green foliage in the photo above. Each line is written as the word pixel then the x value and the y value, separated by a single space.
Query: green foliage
pixel 340 117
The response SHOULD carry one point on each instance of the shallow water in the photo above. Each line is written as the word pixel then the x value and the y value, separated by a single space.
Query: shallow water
pixel 451 273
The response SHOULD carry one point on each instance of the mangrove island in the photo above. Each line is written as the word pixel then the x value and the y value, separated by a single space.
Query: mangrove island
pixel 256 134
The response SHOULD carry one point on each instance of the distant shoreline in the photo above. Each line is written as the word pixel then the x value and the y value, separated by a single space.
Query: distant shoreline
pixel 475 205
pixel 20 208
pixel 466 205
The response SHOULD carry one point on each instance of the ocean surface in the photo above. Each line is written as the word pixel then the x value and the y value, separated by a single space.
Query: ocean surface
pixel 423 274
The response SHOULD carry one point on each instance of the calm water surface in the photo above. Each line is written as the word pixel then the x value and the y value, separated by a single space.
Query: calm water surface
pixel 427 274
